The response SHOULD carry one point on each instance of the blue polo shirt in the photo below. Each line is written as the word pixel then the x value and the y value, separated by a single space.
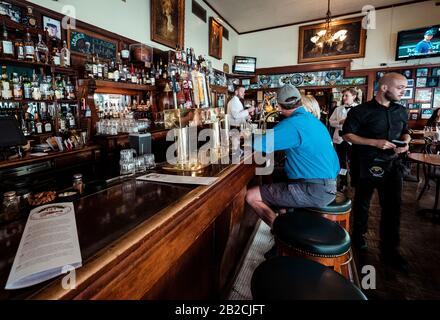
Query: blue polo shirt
pixel 307 144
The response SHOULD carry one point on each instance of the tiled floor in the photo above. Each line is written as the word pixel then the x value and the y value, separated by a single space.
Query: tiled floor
pixel 420 246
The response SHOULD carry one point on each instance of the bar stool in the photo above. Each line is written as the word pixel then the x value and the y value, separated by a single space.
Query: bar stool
pixel 339 210
pixel 295 278
pixel 311 236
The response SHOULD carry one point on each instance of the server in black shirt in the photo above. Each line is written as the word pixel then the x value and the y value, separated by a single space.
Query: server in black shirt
pixel 379 134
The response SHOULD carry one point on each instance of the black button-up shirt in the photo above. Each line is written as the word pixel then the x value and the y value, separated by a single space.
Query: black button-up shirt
pixel 374 121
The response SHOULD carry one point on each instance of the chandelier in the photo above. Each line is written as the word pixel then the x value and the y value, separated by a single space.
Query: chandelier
pixel 328 36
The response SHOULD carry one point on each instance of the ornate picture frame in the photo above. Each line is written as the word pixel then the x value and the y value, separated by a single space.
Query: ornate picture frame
pixel 168 22
pixel 215 38
pixel 352 46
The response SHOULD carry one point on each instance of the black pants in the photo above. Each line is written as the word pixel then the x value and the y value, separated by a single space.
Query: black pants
pixel 390 193
pixel 343 151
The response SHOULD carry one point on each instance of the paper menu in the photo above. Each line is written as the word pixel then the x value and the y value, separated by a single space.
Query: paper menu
pixel 168 178
pixel 49 244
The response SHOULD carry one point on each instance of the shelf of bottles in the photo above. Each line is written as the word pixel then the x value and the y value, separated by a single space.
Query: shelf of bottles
pixel 121 69
pixel 38 86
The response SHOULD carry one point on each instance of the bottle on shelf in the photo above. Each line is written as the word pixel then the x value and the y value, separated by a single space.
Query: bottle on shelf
pixel 65 55
pixel 6 85
pixel 27 88
pixel 35 85
pixel 7 46
pixel 111 71
pixel 47 122
pixel 105 70
pixel 70 90
pixel 59 88
pixel 38 124
pixel 125 53
pixel 41 51
pixel 29 48
pixel 70 119
pixel 17 87
pixel 56 57
pixel 94 65
pixel 99 68
pixel 19 49
pixel 88 66
pixel 62 121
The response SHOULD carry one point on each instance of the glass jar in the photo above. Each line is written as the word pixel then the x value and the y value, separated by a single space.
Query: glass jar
pixel 11 206
pixel 78 184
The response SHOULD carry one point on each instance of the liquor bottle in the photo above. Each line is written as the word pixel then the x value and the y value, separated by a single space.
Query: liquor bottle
pixel 183 56
pixel 59 88
pixel 65 55
pixel 188 57
pixel 94 65
pixel 178 54
pixel 47 122
pixel 124 74
pixel 111 71
pixel 160 69
pixel 117 72
pixel 7 46
pixel 133 76
pixel 41 50
pixel 70 90
pixel 29 19
pixel 29 49
pixel 105 70
pixel 27 88
pixel 62 122
pixel 56 57
pixel 6 85
pixel 17 87
pixel 88 66
pixel 36 91
pixel 70 119
pixel 38 124
pixel 125 53
pixel 165 72
pixel 100 68
pixel 19 49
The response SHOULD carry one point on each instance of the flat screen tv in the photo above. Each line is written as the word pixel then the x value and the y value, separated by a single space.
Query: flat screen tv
pixel 11 134
pixel 418 43
pixel 244 65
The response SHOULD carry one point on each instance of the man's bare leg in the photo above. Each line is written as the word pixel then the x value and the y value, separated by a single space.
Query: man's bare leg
pixel 253 198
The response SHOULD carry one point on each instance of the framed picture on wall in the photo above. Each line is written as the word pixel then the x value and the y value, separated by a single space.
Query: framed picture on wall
pixel 408 94
pixel 421 82
pixel 436 100
pixel 347 41
pixel 53 27
pixel 407 73
pixel 432 82
pixel 215 38
pixel 410 83
pixel 426 113
pixel 422 72
pixel 435 72
pixel 413 115
pixel 425 106
pixel 168 22
pixel 423 95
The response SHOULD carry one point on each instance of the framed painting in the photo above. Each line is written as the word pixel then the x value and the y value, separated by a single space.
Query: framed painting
pixel 168 22
pixel 423 95
pixel 344 40
pixel 215 38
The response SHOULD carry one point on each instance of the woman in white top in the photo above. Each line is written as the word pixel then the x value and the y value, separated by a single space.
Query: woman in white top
pixel 337 119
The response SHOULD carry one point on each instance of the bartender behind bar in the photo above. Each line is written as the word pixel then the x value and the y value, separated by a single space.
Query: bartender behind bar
pixel 237 113
pixel 379 133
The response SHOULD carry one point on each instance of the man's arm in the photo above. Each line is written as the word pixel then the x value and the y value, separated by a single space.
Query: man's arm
pixel 378 143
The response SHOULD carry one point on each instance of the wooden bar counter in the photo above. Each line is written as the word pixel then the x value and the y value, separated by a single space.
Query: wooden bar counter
pixel 142 240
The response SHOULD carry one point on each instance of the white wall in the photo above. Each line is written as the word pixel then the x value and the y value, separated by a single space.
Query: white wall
pixel 273 48
pixel 132 20
pixel 279 47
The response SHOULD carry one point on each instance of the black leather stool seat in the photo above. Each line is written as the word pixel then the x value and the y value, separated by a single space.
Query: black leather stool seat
pixel 340 205
pixel 295 278
pixel 311 233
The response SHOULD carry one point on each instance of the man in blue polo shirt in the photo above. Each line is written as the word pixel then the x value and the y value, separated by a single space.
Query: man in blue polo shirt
pixel 311 165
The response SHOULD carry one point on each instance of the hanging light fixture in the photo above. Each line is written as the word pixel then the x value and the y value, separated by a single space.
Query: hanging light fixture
pixel 329 37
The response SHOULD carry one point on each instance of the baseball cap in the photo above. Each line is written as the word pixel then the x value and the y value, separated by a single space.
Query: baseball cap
pixel 288 95
pixel 430 32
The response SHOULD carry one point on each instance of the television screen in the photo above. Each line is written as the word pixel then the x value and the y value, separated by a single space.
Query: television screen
pixel 418 43
pixel 11 133
pixel 244 65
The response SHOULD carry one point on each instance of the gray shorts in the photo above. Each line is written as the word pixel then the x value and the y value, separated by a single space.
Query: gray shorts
pixel 298 194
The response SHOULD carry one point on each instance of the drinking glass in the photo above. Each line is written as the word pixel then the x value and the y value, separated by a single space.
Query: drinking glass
pixel 149 161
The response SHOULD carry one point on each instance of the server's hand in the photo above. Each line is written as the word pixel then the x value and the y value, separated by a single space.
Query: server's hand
pixel 384 144
pixel 402 149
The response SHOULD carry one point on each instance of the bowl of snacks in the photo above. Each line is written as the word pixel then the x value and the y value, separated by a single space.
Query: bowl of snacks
pixel 42 198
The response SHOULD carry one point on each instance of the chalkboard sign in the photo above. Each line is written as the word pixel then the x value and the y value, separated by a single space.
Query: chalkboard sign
pixel 84 43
